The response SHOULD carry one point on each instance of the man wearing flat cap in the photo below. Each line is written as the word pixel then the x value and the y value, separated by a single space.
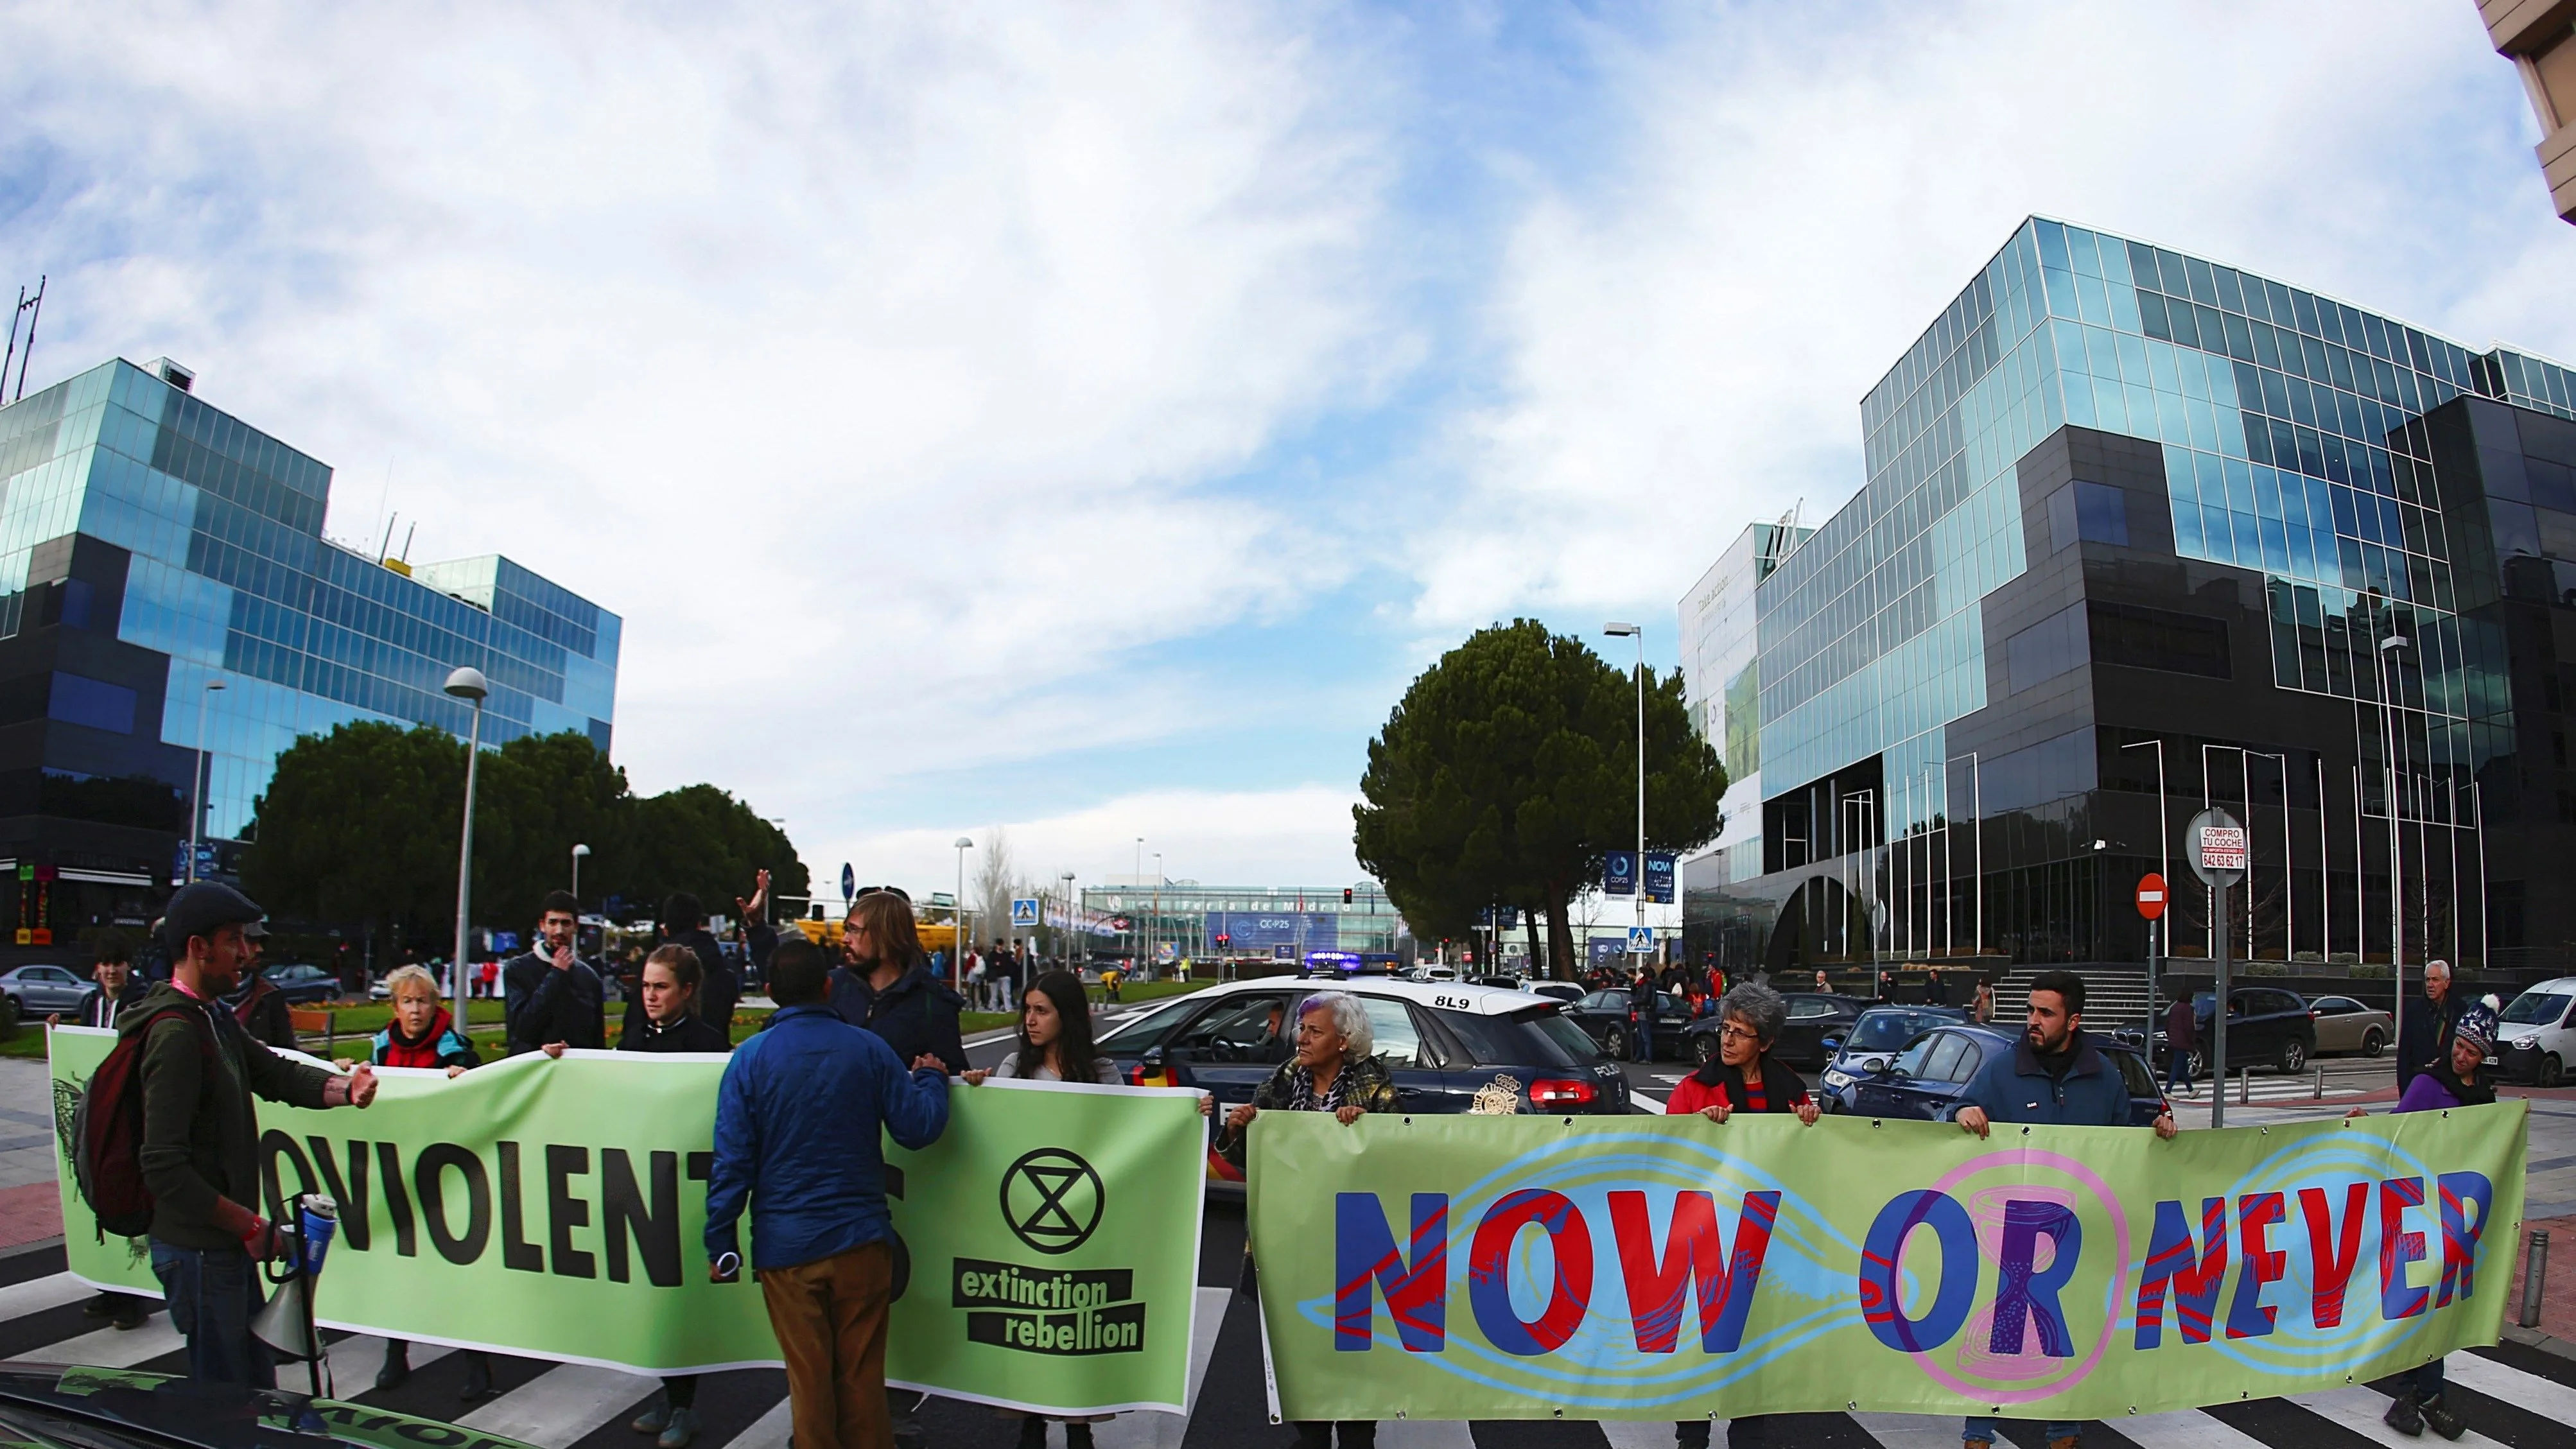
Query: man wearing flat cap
pixel 201 1132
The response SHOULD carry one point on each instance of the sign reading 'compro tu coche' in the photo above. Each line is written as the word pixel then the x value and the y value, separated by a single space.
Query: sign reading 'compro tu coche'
pixel 1047 1243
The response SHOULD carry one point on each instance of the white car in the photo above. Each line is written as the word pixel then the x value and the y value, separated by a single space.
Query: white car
pixel 1565 991
pixel 2536 1039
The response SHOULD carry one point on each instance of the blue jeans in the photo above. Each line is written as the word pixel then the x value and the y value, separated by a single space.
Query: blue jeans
pixel 212 1295
pixel 2429 1381
pixel 2177 1070
pixel 1645 1040
pixel 1985 1429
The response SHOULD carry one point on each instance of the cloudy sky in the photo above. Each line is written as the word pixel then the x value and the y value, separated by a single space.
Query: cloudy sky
pixel 1086 418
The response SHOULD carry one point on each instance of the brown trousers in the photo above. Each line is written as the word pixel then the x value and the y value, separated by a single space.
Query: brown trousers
pixel 830 1318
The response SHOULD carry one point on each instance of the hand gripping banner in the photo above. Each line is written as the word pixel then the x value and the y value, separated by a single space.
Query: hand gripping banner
pixel 1674 1268
pixel 556 1209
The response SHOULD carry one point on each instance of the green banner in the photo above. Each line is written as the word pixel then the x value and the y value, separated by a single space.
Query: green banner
pixel 1671 1267
pixel 556 1209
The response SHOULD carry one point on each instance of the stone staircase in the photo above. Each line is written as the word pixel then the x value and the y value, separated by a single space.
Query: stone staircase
pixel 2114 996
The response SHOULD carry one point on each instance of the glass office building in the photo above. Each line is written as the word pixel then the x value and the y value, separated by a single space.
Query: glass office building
pixel 153 547
pixel 2126 506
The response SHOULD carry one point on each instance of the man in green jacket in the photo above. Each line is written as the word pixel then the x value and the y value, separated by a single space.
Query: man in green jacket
pixel 200 1150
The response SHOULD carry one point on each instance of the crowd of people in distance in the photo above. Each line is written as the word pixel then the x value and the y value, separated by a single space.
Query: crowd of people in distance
pixel 876 1034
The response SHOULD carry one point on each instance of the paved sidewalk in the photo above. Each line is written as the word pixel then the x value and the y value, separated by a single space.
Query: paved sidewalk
pixel 31 1207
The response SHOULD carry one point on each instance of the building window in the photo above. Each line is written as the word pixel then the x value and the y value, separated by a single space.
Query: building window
pixel 78 699
pixel 2092 512
pixel 2046 649
pixel 2158 639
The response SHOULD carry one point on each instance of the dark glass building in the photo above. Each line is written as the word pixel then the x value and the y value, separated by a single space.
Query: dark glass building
pixel 2140 529
pixel 171 618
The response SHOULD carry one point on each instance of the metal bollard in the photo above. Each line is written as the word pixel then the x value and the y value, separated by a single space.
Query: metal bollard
pixel 2321 1085
pixel 2535 1273
pixel 2244 1086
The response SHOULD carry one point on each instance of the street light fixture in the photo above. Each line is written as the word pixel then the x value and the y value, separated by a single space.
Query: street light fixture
pixel 2387 670
pixel 957 954
pixel 197 808
pixel 578 852
pixel 467 683
pixel 1637 632
pixel 1061 938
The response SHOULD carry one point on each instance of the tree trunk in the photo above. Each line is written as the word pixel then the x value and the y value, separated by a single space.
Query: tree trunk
pixel 1560 934
pixel 1529 925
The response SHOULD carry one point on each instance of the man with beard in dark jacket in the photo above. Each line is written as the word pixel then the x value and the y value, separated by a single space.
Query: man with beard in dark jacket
pixel 684 923
pixel 550 995
pixel 885 984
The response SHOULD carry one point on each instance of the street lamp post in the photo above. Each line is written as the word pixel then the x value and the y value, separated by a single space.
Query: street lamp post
pixel 466 683
pixel 957 953
pixel 2164 866
pixel 578 852
pixel 2396 838
pixel 1157 942
pixel 1064 936
pixel 197 807
pixel 1638 876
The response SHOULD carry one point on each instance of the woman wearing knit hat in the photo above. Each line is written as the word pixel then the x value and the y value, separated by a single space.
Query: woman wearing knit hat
pixel 2455 1079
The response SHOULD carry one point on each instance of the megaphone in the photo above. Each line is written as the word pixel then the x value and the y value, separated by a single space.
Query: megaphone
pixel 286 1323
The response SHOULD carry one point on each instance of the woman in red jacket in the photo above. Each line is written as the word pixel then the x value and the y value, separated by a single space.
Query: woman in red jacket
pixel 1742 1077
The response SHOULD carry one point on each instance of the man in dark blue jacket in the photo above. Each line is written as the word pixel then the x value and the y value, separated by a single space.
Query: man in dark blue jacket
pixel 551 997
pixel 2053 1076
pixel 885 984
pixel 798 1120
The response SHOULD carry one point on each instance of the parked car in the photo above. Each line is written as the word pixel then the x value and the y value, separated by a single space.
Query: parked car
pixel 40 989
pixel 1880 1032
pixel 2266 1027
pixel 1442 1044
pixel 301 984
pixel 1925 1079
pixel 1611 1017
pixel 103 1408
pixel 1817 1026
pixel 2345 1025
pixel 2536 1038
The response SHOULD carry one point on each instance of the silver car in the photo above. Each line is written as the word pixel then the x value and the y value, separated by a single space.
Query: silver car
pixel 2345 1025
pixel 40 989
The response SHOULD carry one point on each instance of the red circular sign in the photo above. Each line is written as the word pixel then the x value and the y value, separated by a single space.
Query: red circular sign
pixel 2151 895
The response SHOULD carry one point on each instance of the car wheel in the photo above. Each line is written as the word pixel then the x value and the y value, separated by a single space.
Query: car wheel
pixel 2372 1043
pixel 2294 1055
pixel 2553 1072
pixel 1703 1048
pixel 2197 1064
pixel 1614 1045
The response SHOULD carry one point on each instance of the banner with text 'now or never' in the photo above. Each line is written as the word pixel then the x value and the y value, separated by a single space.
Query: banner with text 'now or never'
pixel 1674 1268
pixel 1048 1242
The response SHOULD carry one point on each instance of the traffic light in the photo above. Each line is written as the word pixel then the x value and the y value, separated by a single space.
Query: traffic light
pixel 1346 895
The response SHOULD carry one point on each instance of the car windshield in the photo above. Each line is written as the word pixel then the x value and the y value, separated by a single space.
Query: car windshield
pixel 1571 1043
pixel 1880 1031
pixel 2537 1008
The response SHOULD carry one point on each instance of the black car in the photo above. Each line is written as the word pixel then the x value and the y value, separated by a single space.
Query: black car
pixel 1611 1017
pixel 100 1408
pixel 2267 1028
pixel 1442 1042
pixel 1818 1023
pixel 1880 1032
pixel 1924 1080
pixel 302 985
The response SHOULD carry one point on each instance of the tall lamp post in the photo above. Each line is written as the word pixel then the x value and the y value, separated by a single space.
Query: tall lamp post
pixel 1065 940
pixel 197 808
pixel 2387 662
pixel 466 683
pixel 578 852
pixel 1157 942
pixel 2164 865
pixel 957 956
pixel 1638 633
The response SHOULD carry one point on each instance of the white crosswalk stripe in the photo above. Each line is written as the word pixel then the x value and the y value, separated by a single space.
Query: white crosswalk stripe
pixel 2358 1409
pixel 561 1404
pixel 564 1404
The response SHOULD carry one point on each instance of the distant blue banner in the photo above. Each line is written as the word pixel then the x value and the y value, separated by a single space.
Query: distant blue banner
pixel 1659 876
pixel 1602 950
pixel 1267 930
pixel 1619 873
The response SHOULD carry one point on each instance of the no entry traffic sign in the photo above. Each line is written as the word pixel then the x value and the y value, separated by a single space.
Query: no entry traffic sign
pixel 2151 895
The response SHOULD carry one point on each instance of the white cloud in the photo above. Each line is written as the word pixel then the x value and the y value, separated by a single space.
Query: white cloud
pixel 880 359
pixel 1686 327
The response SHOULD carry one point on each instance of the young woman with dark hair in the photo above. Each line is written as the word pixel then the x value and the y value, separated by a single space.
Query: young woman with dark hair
pixel 671 1023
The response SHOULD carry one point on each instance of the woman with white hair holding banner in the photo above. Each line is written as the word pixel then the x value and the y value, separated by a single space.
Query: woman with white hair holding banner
pixel 1333 1071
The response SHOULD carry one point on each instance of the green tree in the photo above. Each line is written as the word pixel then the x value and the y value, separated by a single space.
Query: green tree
pixel 359 825
pixel 1507 773
pixel 702 840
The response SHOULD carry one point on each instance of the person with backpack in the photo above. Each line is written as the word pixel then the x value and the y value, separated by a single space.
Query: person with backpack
pixel 179 1116
pixel 116 990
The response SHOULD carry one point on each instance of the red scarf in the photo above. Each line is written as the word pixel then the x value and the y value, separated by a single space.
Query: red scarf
pixel 421 1053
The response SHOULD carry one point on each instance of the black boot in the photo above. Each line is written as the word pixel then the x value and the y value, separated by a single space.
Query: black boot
pixel 397 1365
pixel 2439 1418
pixel 1032 1433
pixel 2403 1416
pixel 478 1375
pixel 1077 1436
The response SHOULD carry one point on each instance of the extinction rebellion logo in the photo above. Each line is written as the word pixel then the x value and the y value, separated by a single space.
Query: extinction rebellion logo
pixel 1052 1201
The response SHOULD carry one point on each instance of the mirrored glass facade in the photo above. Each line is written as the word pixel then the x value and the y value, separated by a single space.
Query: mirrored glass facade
pixel 2289 436
pixel 152 545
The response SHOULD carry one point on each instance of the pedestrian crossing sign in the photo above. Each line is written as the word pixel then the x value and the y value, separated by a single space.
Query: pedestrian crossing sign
pixel 1641 940
pixel 1024 911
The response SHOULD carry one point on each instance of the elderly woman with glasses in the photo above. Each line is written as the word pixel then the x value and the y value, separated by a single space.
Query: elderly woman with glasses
pixel 1333 1071
pixel 1742 1077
